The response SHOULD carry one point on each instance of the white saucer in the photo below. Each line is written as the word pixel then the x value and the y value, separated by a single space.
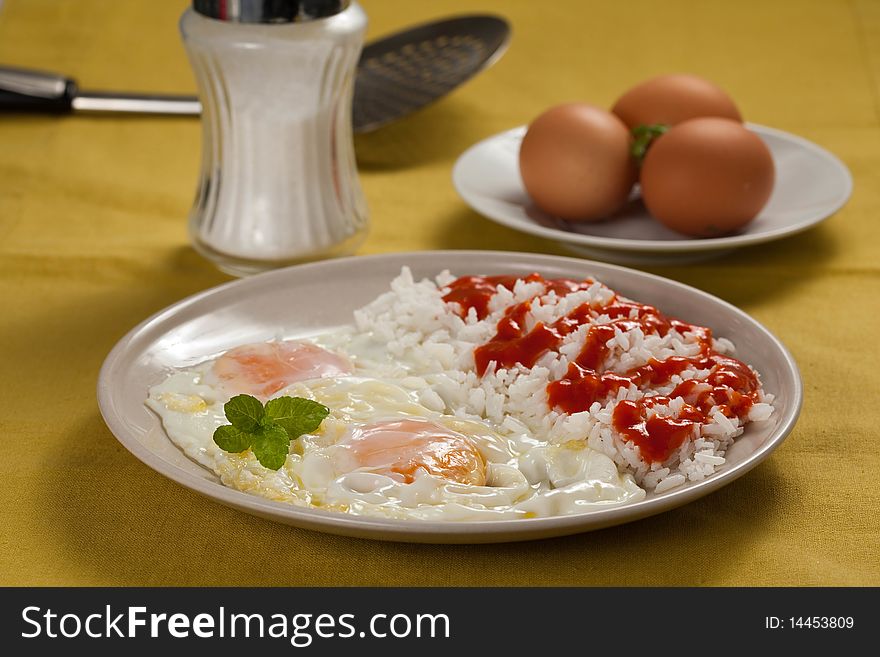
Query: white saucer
pixel 811 185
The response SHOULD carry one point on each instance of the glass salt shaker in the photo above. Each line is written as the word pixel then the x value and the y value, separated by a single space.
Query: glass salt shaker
pixel 278 182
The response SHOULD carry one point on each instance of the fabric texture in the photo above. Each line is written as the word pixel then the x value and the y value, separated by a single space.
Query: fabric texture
pixel 93 239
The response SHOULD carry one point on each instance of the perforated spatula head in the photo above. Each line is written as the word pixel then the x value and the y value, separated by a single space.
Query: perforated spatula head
pixel 405 71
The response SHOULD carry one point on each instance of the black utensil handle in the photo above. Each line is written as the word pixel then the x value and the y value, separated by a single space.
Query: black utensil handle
pixel 35 92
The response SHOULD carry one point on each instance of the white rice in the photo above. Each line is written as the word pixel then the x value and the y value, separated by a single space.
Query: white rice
pixel 437 346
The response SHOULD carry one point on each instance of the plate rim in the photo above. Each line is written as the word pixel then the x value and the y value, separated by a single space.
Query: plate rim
pixel 483 531
pixel 662 246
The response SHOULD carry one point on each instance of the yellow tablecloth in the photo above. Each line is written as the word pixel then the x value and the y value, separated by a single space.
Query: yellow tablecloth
pixel 93 239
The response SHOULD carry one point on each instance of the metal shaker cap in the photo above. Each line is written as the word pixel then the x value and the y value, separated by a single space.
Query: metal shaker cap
pixel 269 11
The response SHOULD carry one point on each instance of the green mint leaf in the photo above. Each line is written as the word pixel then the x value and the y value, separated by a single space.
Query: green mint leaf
pixel 230 439
pixel 271 446
pixel 244 412
pixel 268 431
pixel 296 415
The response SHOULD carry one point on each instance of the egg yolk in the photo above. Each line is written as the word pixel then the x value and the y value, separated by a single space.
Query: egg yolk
pixel 399 448
pixel 265 368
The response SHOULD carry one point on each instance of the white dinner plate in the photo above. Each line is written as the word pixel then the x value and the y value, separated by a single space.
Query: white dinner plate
pixel 811 185
pixel 313 298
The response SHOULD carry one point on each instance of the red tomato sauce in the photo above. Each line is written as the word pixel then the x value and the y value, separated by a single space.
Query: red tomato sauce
pixel 731 387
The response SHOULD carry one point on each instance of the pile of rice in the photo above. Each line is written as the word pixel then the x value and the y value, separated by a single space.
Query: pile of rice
pixel 437 345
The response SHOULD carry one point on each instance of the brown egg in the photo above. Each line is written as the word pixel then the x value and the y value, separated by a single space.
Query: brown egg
pixel 671 99
pixel 575 162
pixel 707 177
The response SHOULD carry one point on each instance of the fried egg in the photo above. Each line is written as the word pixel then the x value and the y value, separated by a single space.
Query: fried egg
pixel 388 448
pixel 265 368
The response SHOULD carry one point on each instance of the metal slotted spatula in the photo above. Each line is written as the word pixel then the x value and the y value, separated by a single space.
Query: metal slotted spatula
pixel 396 76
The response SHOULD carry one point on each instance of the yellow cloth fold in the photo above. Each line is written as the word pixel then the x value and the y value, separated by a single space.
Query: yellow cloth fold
pixel 93 239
